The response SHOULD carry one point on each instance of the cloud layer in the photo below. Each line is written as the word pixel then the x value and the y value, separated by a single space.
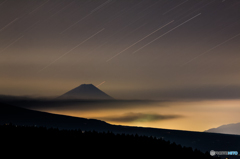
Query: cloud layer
pixel 139 117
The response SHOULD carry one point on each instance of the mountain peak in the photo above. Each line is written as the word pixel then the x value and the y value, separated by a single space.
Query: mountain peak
pixel 86 91
pixel 90 85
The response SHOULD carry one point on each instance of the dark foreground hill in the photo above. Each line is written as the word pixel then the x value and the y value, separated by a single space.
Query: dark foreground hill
pixel 22 116
pixel 197 140
pixel 76 143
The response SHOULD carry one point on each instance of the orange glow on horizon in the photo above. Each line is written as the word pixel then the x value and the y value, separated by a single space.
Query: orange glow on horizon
pixel 196 115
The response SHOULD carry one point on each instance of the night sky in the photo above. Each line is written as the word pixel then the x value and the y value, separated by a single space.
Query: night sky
pixel 176 50
pixel 137 49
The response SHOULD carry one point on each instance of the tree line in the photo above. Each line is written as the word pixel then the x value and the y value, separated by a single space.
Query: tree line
pixel 53 142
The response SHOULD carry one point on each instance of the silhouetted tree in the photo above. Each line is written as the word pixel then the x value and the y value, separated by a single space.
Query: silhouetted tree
pixel 59 143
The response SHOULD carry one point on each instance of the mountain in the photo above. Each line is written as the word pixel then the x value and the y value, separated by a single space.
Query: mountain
pixel 22 116
pixel 226 129
pixel 199 140
pixel 86 91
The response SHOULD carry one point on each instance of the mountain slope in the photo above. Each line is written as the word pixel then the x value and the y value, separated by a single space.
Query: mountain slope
pixel 86 91
pixel 200 140
pixel 226 129
pixel 22 116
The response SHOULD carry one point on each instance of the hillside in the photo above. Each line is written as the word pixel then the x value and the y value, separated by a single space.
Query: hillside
pixel 226 129
pixel 199 140
pixel 72 143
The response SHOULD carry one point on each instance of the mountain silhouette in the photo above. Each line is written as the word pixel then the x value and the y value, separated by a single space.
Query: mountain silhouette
pixel 22 116
pixel 201 140
pixel 86 91
pixel 226 129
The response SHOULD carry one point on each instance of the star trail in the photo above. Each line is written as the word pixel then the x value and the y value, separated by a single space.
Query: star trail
pixel 144 49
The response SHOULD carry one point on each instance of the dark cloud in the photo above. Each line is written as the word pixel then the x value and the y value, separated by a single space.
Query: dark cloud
pixel 139 117
pixel 77 104
pixel 210 92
